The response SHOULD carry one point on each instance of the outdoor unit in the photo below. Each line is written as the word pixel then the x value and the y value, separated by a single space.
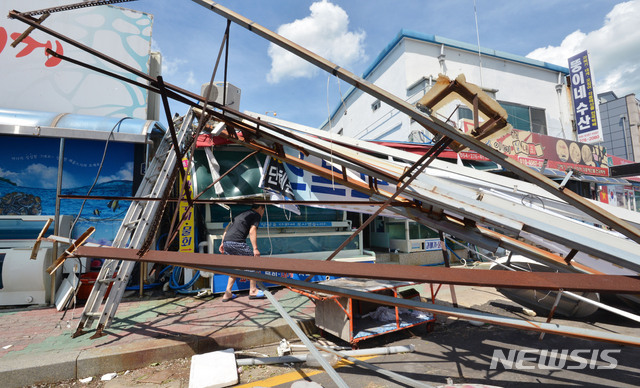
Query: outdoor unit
pixel 215 94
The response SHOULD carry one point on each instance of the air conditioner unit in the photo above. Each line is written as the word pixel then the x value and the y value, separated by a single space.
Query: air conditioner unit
pixel 216 92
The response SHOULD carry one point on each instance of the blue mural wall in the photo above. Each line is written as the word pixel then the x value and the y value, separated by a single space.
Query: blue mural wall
pixel 29 173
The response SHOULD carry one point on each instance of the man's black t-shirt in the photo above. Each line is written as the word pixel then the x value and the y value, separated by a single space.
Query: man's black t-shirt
pixel 239 228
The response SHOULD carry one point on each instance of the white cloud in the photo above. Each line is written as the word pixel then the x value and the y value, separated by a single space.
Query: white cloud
pixel 176 70
pixel 125 174
pixel 11 175
pixel 613 50
pixel 38 175
pixel 171 66
pixel 324 32
pixel 191 79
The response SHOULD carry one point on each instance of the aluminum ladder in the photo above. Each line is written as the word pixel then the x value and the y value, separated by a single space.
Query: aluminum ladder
pixel 141 219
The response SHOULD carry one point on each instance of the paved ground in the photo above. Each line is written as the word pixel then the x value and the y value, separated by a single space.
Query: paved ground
pixel 35 345
pixel 459 352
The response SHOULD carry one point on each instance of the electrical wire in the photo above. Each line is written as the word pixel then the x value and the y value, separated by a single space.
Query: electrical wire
pixel 104 154
pixel 475 13
pixel 266 212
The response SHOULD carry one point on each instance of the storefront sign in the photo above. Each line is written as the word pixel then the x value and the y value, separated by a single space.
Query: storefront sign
pixel 311 187
pixel 584 99
pixel 275 181
pixel 187 233
pixel 532 149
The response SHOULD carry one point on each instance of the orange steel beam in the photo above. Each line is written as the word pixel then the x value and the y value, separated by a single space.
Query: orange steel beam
pixel 499 279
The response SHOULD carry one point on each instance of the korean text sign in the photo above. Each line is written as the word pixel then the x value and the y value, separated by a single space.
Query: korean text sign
pixel 584 99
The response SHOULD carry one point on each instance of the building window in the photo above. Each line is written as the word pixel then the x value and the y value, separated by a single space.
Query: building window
pixel 538 121
pixel 464 113
pixel 376 105
pixel 526 118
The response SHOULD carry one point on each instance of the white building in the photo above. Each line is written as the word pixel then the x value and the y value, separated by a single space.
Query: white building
pixel 534 93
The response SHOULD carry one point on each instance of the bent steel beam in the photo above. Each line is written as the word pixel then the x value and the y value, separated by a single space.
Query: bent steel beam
pixel 499 279
pixel 569 331
pixel 431 122
pixel 213 263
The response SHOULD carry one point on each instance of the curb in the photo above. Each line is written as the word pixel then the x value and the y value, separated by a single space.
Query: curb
pixel 56 366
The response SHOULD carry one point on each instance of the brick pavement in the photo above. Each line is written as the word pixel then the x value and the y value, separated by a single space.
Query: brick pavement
pixel 144 330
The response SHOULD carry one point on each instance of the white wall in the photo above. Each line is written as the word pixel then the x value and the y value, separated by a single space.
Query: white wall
pixel 413 60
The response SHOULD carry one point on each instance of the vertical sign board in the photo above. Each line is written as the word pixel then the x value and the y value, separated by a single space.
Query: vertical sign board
pixel 275 182
pixel 31 80
pixel 584 99
pixel 186 229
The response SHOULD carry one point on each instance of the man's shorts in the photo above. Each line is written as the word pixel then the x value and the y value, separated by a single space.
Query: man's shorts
pixel 237 248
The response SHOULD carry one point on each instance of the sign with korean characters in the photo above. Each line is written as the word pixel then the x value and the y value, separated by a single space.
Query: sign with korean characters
pixel 276 183
pixel 532 149
pixel 584 99
pixel 187 234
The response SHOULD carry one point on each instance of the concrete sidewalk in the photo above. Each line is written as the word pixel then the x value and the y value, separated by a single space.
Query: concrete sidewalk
pixel 36 344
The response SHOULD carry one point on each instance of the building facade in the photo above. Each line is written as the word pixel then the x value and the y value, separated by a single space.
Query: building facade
pixel 534 93
pixel 620 120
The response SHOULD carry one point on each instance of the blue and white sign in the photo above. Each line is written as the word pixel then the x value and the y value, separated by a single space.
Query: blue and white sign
pixel 310 187
pixel 432 244
pixel 584 99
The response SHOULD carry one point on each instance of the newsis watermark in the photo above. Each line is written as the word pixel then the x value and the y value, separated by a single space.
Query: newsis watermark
pixel 554 359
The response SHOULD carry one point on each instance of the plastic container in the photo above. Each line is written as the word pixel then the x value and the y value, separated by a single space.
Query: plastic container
pixel 87 280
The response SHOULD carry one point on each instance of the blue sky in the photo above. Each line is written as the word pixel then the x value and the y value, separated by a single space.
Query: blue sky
pixel 352 33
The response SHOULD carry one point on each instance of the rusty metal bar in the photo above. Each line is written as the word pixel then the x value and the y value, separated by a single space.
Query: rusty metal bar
pixel 174 139
pixel 103 71
pixel 499 279
pixel 207 259
pixel 70 7
pixel 432 122
pixel 29 31
pixel 553 311
pixel 225 38
pixel 70 250
pixel 447 264
pixel 570 256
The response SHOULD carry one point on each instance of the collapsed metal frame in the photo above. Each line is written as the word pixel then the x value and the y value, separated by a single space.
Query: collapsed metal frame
pixel 430 122
pixel 412 210
pixel 226 264
pixel 450 134
pixel 231 117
